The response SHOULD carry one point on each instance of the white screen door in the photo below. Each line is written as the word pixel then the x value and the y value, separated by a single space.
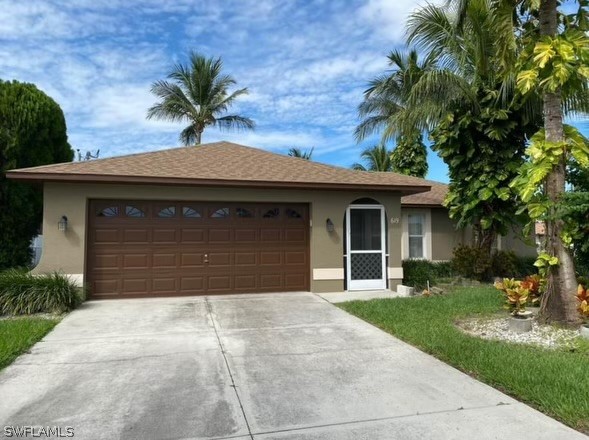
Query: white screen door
pixel 366 247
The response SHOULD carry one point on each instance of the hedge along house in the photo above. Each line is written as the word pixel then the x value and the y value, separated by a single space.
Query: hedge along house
pixel 220 218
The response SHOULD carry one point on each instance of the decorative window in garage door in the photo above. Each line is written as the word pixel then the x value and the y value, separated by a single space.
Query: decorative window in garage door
pixel 190 212
pixel 220 213
pixel 244 213
pixel 293 213
pixel 272 213
pixel 167 212
pixel 110 211
pixel 133 211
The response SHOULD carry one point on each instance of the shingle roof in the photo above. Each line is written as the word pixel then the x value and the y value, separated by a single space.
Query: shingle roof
pixel 433 197
pixel 224 164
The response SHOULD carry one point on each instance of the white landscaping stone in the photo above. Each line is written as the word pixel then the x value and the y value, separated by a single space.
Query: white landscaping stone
pixel 405 290
pixel 498 329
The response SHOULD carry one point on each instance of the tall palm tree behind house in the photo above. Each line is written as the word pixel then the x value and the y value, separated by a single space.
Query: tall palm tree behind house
pixel 198 93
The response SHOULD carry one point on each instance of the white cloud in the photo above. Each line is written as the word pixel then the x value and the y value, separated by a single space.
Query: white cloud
pixel 388 17
pixel 306 64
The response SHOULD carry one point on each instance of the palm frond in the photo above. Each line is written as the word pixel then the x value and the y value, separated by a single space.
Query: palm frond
pixel 234 122
pixel 358 167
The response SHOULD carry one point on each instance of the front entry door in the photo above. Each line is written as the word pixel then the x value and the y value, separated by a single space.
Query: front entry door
pixel 366 247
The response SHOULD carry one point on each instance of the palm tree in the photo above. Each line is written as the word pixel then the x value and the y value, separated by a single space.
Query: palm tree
pixel 386 100
pixel 480 42
pixel 301 154
pixel 385 103
pixel 377 158
pixel 198 93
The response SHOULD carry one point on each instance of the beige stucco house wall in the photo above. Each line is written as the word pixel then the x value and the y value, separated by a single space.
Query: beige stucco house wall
pixel 442 236
pixel 66 251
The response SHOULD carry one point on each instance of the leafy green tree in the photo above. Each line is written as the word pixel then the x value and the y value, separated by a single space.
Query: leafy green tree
pixel 385 103
pixel 477 123
pixel 554 64
pixel 32 132
pixel 302 154
pixel 410 155
pixel 198 93
pixel 377 158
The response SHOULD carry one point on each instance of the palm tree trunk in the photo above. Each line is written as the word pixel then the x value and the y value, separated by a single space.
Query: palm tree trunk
pixel 558 304
pixel 198 137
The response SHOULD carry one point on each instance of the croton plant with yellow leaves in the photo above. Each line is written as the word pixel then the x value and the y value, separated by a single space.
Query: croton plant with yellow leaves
pixel 516 295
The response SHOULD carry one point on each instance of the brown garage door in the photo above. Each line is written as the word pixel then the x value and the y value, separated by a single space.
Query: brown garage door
pixel 159 248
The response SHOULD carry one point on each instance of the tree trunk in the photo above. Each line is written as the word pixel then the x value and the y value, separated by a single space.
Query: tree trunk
pixel 559 303
pixel 198 137
pixel 485 239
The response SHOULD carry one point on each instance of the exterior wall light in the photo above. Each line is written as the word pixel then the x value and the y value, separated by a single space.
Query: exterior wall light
pixel 329 225
pixel 62 223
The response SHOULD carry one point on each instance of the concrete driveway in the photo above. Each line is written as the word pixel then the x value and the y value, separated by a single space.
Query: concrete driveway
pixel 283 366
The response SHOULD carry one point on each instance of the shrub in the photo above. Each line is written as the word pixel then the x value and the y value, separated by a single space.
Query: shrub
pixel 22 293
pixel 504 264
pixel 525 266
pixel 471 262
pixel 416 273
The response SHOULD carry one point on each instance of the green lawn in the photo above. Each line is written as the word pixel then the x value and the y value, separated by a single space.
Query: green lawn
pixel 17 335
pixel 554 381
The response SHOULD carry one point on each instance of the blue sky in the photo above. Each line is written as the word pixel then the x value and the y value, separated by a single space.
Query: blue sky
pixel 306 64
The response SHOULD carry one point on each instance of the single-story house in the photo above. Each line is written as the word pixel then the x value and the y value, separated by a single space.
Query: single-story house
pixel 225 218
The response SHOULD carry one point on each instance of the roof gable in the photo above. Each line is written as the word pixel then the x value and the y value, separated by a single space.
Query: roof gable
pixel 434 197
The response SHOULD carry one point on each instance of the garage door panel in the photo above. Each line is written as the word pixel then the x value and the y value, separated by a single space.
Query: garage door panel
pixel 106 236
pixel 134 236
pixel 104 287
pixel 165 285
pixel 295 281
pixel 137 286
pixel 192 248
pixel 245 259
pixel 192 235
pixel 270 234
pixel 268 258
pixel 219 259
pixel 295 258
pixel 164 236
pixel 219 283
pixel 295 235
pixel 217 235
pixel 245 236
pixel 106 261
pixel 191 260
pixel 164 261
pixel 192 284
pixel 245 282
pixel 271 281
pixel 136 261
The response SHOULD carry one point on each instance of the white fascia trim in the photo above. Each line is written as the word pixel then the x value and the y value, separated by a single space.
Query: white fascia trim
pixel 395 273
pixel 328 274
